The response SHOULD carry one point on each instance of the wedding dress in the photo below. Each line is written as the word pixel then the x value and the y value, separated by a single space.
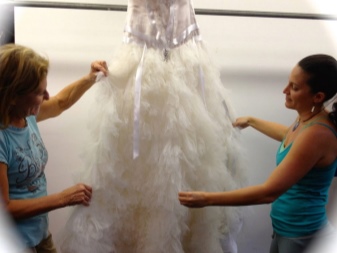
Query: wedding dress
pixel 161 123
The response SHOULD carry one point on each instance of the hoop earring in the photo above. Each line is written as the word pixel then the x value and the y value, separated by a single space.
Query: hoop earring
pixel 312 109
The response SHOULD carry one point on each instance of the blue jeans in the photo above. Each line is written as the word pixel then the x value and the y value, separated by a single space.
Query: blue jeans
pixel 282 244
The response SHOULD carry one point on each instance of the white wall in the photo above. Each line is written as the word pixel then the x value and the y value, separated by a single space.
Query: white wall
pixel 254 55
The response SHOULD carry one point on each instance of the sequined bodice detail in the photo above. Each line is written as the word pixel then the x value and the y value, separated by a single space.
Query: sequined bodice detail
pixel 160 23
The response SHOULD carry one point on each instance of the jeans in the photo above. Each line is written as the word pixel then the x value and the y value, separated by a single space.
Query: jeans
pixel 282 244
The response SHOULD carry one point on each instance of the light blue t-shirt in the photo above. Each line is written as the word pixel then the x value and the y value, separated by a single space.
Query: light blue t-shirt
pixel 23 151
pixel 300 211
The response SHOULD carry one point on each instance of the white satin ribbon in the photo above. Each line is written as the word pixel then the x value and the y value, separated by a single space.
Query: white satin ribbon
pixel 136 112
pixel 202 84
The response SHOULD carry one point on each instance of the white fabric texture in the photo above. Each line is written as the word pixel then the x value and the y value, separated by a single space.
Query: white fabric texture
pixel 186 142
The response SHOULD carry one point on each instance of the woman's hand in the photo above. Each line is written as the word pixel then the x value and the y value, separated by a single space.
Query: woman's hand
pixel 96 67
pixel 76 195
pixel 241 122
pixel 193 199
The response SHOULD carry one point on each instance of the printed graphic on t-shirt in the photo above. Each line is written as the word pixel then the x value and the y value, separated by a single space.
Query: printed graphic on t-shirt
pixel 31 160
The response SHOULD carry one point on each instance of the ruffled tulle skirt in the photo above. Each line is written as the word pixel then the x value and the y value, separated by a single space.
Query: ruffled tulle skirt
pixel 186 142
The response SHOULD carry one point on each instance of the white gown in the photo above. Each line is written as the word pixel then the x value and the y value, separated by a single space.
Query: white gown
pixel 161 123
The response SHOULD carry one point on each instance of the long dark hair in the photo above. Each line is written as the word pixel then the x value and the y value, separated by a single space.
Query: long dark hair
pixel 322 70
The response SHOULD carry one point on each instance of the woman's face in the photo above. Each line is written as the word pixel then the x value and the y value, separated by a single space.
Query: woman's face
pixel 29 104
pixel 298 92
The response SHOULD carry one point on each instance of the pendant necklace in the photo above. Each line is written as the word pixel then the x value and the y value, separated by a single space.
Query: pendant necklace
pixel 297 123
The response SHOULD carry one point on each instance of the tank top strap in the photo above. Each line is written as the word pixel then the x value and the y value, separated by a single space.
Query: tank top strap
pixel 322 124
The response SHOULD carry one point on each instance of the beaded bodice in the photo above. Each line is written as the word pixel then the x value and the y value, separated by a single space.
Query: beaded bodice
pixel 162 24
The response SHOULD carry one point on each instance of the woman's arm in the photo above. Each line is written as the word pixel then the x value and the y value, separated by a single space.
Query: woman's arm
pixel 307 150
pixel 71 93
pixel 25 208
pixel 271 129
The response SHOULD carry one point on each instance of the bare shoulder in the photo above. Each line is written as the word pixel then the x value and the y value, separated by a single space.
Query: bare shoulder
pixel 325 128
pixel 319 137
pixel 322 137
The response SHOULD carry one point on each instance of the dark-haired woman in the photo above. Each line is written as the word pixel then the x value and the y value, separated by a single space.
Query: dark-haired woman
pixel 306 160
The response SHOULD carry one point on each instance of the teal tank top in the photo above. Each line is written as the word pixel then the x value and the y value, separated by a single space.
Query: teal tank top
pixel 300 211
